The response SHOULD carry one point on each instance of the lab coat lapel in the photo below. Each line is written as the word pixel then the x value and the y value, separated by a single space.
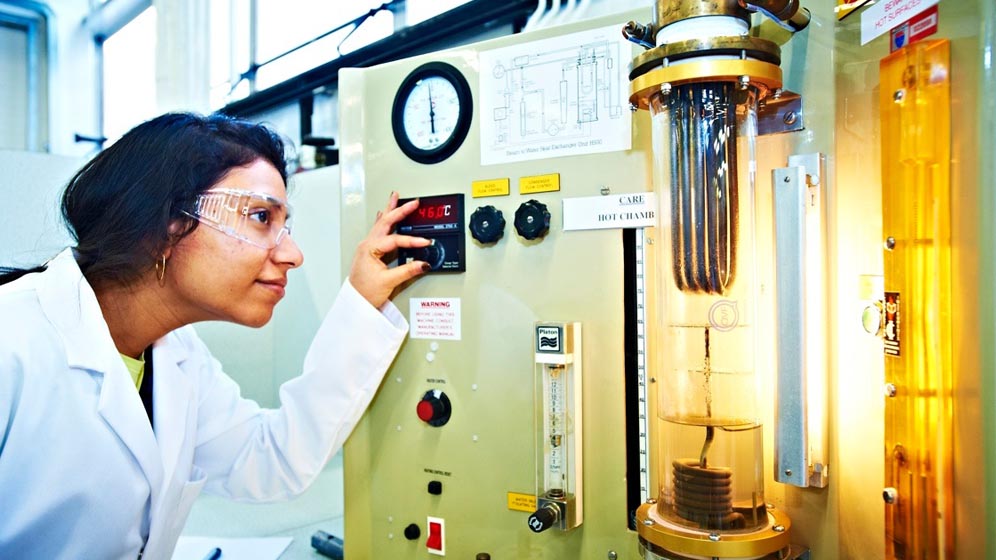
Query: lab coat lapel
pixel 172 394
pixel 69 302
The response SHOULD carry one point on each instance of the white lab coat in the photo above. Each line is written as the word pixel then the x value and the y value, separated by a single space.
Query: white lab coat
pixel 81 473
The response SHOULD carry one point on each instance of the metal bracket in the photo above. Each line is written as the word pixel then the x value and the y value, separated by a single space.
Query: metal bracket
pixel 800 248
pixel 780 113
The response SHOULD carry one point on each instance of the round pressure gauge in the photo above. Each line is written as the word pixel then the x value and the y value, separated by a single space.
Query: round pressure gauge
pixel 432 112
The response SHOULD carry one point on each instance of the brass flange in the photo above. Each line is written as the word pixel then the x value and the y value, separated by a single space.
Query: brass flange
pixel 729 545
pixel 739 45
pixel 764 75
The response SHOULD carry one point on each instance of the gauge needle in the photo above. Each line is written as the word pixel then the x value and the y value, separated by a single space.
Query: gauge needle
pixel 432 112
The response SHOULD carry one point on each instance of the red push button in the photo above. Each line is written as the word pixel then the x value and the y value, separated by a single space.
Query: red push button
pixel 434 408
pixel 425 411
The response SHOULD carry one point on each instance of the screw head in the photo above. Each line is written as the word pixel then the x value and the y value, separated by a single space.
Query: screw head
pixel 612 555
pixel 889 495
pixel 744 82
pixel 890 243
pixel 714 537
pixel 666 88
pixel 890 389
pixel 633 108
pixel 778 528
pixel 899 95
pixel 788 472
pixel 651 501
pixel 790 117
pixel 648 522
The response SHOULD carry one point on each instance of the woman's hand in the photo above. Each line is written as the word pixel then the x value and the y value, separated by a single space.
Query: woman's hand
pixel 369 274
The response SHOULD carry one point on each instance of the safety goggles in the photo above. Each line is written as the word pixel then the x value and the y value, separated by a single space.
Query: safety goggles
pixel 255 218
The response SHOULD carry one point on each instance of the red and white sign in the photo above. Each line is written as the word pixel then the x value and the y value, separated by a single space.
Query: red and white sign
pixel 434 318
pixel 885 15
pixel 922 25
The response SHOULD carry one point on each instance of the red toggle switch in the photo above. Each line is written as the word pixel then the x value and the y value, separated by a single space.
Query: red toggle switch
pixel 435 543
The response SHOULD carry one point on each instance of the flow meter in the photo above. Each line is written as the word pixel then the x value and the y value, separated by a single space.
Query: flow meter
pixel 558 427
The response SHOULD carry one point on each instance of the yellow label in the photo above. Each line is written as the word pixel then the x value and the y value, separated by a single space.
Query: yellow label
pixel 539 183
pixel 521 502
pixel 489 187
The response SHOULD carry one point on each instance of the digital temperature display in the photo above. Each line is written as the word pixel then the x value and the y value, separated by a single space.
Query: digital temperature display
pixel 439 218
pixel 435 211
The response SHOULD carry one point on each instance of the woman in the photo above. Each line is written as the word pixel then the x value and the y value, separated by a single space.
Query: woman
pixel 113 414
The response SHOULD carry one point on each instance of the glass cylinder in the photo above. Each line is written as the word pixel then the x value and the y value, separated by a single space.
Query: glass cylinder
pixel 710 468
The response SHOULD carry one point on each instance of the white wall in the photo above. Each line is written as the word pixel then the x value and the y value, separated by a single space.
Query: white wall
pixel 31 184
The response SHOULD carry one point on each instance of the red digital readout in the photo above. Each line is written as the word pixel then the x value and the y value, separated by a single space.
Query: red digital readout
pixel 435 210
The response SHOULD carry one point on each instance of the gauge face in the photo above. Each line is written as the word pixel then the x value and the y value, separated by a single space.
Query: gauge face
pixel 432 112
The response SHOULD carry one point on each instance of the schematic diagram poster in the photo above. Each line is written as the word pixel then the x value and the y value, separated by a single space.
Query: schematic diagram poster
pixel 555 97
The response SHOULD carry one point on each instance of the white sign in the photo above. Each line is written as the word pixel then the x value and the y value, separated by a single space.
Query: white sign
pixel 437 318
pixel 882 16
pixel 632 210
pixel 562 96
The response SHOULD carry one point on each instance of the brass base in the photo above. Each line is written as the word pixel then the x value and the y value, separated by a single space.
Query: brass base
pixel 743 46
pixel 669 541
pixel 764 75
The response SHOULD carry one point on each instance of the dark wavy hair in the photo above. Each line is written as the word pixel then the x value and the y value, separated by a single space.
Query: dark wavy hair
pixel 120 205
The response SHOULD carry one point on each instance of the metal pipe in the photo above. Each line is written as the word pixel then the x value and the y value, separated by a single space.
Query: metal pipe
pixel 786 13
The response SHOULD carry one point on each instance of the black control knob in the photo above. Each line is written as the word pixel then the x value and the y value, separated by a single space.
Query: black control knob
pixel 433 254
pixel 483 556
pixel 487 224
pixel 434 408
pixel 544 518
pixel 412 532
pixel 532 219
pixel 435 487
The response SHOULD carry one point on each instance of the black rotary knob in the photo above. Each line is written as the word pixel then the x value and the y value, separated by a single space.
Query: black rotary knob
pixel 434 408
pixel 433 254
pixel 487 224
pixel 532 219
pixel 544 518
pixel 412 532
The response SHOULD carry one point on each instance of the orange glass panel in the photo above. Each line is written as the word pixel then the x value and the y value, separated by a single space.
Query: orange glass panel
pixel 916 153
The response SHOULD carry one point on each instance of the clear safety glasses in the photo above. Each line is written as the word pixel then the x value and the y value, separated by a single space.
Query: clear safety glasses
pixel 256 218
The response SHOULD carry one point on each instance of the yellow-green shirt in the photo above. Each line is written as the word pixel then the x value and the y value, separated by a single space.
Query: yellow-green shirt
pixel 136 368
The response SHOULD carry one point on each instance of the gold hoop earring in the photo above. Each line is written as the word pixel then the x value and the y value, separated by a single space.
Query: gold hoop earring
pixel 161 270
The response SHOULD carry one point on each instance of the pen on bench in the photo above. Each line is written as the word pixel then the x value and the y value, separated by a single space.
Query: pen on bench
pixel 214 554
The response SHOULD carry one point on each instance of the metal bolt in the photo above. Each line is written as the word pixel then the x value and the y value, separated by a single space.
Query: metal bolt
pixel 890 389
pixel 778 528
pixel 890 243
pixel 612 555
pixel 653 380
pixel 666 88
pixel 605 191
pixel 714 537
pixel 890 495
pixel 790 117
pixel 777 93
pixel 651 501
pixel 648 522
pixel 650 241
pixel 744 82
pixel 787 179
pixel 899 95
pixel 788 472
pixel 633 107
